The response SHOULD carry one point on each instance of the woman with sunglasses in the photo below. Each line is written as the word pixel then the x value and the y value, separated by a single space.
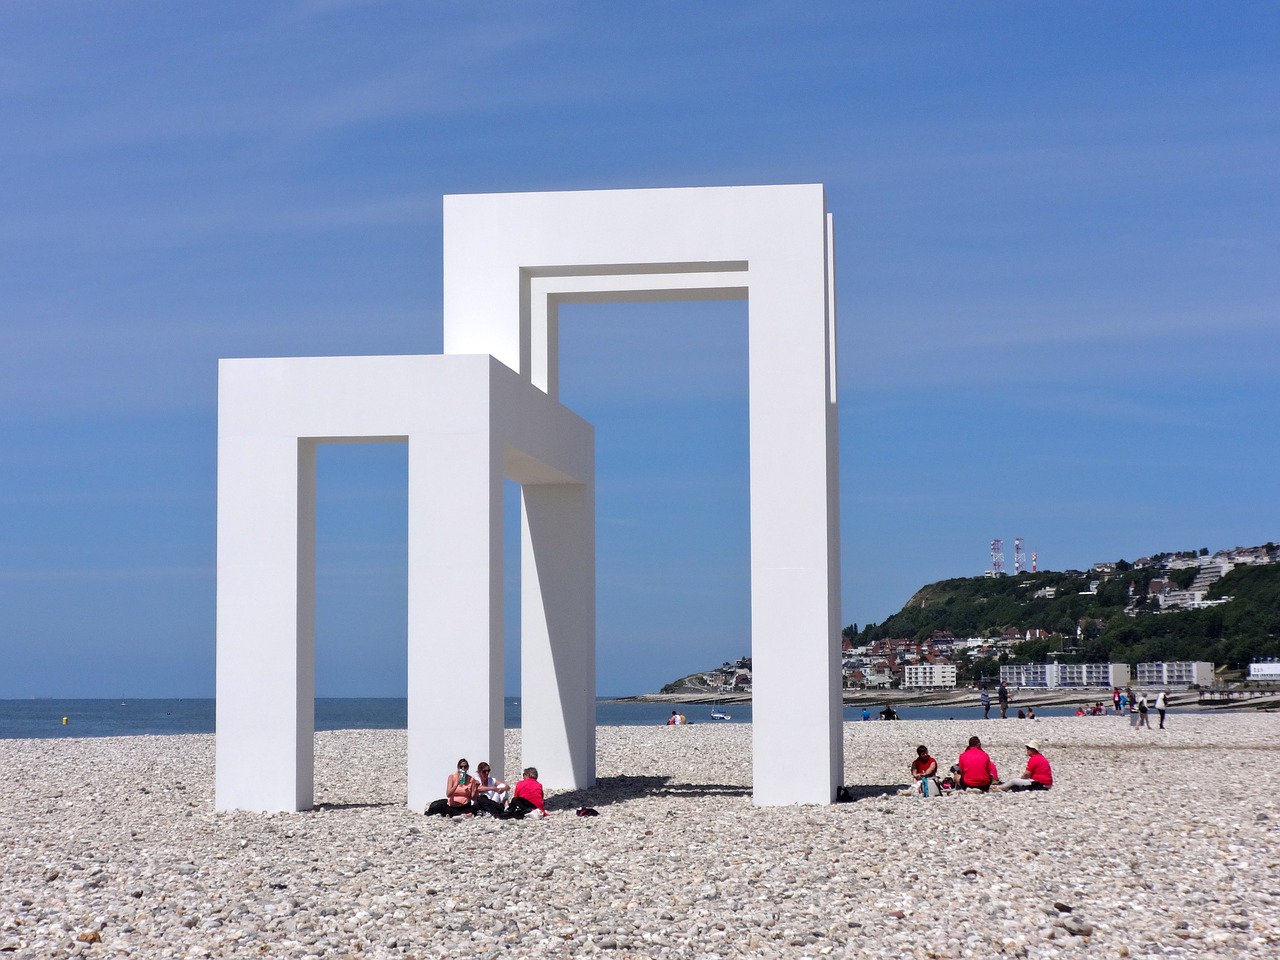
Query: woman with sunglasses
pixel 492 792
pixel 460 791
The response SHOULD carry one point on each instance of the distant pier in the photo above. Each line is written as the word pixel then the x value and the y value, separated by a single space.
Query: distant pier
pixel 1229 696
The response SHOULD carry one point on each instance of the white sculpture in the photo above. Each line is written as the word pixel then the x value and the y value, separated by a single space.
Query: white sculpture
pixel 487 409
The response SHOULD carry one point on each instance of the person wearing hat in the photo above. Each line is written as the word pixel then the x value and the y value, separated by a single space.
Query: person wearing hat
pixel 1037 776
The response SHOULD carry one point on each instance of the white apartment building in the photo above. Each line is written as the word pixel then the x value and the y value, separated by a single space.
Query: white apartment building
pixel 1267 671
pixel 1025 674
pixel 1093 674
pixel 1177 673
pixel 928 675
pixel 1058 675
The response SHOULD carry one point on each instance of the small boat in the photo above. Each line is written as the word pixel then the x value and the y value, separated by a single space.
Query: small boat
pixel 718 714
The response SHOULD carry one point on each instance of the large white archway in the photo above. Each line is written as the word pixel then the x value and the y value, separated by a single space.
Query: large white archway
pixel 511 259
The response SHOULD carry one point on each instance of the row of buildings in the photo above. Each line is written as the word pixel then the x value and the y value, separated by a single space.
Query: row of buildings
pixel 929 672
pixel 1053 676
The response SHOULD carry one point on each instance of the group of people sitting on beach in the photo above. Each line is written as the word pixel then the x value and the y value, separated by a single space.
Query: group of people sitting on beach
pixel 975 770
pixel 483 794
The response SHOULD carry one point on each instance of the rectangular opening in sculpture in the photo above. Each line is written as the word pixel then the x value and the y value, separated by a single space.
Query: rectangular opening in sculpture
pixel 361 569
pixel 511 602
pixel 665 385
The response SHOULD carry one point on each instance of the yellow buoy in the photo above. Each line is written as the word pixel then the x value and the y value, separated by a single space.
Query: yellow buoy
pixel 64 721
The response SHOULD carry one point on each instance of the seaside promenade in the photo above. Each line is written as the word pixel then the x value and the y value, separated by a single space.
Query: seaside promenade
pixel 1151 844
pixel 965 697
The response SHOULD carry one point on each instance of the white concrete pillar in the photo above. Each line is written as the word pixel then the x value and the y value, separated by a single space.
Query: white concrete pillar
pixel 266 623
pixel 557 633
pixel 455 608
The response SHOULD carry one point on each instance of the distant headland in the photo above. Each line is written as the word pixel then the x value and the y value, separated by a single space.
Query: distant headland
pixel 1220 608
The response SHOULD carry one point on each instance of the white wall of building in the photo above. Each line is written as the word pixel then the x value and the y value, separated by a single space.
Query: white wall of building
pixel 1175 673
pixel 928 675
pixel 1268 670
pixel 1053 676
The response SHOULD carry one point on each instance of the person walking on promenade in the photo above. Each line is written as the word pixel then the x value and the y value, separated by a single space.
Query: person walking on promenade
pixel 984 696
pixel 1037 776
pixel 974 768
pixel 1003 696
pixel 1162 705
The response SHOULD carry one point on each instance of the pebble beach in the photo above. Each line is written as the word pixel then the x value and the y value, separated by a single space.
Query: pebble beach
pixel 1151 844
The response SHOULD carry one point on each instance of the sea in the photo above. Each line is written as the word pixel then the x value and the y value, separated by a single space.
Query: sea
pixel 51 719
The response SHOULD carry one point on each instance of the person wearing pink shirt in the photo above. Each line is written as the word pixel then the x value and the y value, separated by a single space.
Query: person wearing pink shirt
pixel 1037 776
pixel 527 796
pixel 975 769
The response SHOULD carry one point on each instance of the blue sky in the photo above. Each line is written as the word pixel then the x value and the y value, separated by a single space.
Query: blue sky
pixel 1058 266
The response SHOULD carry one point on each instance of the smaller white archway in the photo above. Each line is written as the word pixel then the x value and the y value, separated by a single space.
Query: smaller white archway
pixel 469 422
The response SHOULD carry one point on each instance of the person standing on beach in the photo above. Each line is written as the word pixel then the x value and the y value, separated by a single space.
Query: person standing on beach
pixel 1003 696
pixel 984 696
pixel 1162 705
pixel 1142 712
pixel 1115 699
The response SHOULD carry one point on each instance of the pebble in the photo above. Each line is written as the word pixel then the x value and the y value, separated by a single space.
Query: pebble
pixel 117 839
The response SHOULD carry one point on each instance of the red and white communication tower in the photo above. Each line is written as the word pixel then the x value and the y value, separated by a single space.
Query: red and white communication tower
pixel 997 557
pixel 1034 555
pixel 1019 557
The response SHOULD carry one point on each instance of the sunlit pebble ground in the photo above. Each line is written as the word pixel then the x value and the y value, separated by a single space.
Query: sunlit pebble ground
pixel 1151 844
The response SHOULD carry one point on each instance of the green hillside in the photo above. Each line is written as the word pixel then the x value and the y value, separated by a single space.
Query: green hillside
pixel 1118 623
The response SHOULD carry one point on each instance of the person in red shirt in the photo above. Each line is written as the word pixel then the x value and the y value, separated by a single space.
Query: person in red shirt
pixel 924 775
pixel 527 796
pixel 1037 776
pixel 975 769
pixel 923 765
